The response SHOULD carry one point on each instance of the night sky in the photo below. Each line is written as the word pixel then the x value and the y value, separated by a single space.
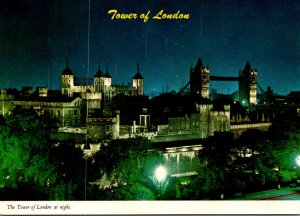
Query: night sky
pixel 36 37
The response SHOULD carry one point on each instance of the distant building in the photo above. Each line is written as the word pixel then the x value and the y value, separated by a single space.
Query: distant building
pixel 248 85
pixel 102 87
pixel 67 110
pixel 137 83
pixel 103 127
pixel 78 99
pixel 200 78
pixel 294 97
pixel 6 102
pixel 201 124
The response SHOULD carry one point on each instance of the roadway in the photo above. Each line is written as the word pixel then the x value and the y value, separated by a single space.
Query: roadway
pixel 295 196
pixel 284 193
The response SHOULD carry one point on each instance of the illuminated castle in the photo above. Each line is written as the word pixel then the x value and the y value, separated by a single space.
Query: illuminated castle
pixel 100 88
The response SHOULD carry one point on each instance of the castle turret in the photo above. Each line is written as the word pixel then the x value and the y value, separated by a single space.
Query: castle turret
pixel 99 80
pixel 137 83
pixel 107 78
pixel 67 81
pixel 105 87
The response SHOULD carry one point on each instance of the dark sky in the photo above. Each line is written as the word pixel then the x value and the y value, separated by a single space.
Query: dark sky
pixel 36 36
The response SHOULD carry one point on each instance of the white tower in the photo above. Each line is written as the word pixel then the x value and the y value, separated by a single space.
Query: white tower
pixel 67 81
pixel 137 83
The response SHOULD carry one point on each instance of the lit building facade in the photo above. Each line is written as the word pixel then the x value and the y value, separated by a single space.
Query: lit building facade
pixel 200 124
pixel 102 87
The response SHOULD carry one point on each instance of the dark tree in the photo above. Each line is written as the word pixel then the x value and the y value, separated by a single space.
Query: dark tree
pixel 25 148
pixel 129 165
pixel 216 156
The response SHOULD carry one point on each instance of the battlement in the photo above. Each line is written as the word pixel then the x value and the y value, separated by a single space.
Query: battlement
pixel 248 126
pixel 204 107
pixel 102 120
pixel 92 95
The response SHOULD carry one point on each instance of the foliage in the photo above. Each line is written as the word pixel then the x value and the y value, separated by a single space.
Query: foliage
pixel 287 176
pixel 24 156
pixel 129 164
pixel 31 162
pixel 217 155
pixel 270 151
pixel 70 171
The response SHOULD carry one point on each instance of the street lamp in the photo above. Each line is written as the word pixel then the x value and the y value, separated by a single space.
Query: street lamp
pixel 160 173
pixel 160 179
pixel 298 160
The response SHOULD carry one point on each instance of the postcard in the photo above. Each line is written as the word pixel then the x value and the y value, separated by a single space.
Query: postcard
pixel 149 107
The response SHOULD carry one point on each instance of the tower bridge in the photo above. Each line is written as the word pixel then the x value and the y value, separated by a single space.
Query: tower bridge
pixel 222 78
pixel 247 78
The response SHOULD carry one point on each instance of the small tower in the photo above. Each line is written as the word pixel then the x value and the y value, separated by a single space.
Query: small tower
pixel 99 80
pixel 107 79
pixel 137 83
pixel 247 85
pixel 105 87
pixel 199 80
pixel 67 81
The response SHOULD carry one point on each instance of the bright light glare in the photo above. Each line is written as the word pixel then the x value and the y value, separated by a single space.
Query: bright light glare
pixel 160 173
pixel 298 160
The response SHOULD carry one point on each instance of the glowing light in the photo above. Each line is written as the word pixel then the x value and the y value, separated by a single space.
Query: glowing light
pixel 298 160
pixel 160 173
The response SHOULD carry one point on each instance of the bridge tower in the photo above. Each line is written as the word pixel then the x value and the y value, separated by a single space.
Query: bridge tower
pixel 199 80
pixel 248 85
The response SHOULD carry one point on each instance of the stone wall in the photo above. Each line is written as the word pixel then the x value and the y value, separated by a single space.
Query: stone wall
pixel 6 103
pixel 248 126
pixel 103 128
pixel 202 124
pixel 241 128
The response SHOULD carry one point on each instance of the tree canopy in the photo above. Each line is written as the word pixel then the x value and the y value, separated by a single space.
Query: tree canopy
pixel 129 164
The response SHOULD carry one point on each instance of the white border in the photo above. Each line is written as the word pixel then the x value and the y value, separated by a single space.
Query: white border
pixel 153 207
